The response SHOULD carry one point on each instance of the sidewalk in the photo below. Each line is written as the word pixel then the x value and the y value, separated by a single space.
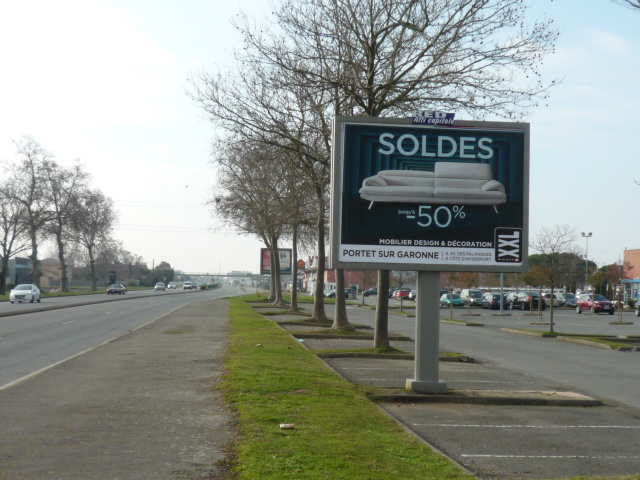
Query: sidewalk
pixel 141 407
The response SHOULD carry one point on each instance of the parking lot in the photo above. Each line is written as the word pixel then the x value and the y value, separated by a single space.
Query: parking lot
pixel 518 440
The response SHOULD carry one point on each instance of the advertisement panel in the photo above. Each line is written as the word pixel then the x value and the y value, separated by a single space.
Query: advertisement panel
pixel 429 197
pixel 285 254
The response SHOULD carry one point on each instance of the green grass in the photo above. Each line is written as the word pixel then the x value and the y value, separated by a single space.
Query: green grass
pixel 340 434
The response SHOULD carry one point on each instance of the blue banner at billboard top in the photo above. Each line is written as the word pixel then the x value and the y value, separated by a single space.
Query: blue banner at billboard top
pixel 432 117
pixel 426 197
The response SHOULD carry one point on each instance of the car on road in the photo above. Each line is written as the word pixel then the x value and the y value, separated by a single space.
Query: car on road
pixel 160 286
pixel 371 291
pixel 451 299
pixel 594 304
pixel 188 286
pixel 491 300
pixel 171 285
pixel 26 292
pixel 116 288
pixel 526 300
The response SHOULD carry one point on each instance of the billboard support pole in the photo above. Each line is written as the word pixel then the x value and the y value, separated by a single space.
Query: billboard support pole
pixel 427 340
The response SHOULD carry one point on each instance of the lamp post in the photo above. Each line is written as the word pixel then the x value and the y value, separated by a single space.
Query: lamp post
pixel 586 236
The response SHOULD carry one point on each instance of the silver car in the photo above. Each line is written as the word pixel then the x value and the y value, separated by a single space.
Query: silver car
pixel 26 292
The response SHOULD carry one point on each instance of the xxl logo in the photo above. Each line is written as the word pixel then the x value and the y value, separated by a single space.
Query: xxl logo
pixel 508 245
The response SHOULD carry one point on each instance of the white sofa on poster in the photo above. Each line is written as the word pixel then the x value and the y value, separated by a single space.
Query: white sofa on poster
pixel 450 183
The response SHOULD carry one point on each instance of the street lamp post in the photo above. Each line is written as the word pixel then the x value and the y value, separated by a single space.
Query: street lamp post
pixel 586 236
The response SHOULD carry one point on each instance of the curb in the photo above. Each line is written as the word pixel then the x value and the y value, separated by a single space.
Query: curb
pixel 489 397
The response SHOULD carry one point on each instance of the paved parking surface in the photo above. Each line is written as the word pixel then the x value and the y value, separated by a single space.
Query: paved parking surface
pixel 528 442
pixel 499 442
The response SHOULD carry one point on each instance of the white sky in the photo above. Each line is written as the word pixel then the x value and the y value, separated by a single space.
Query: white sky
pixel 105 82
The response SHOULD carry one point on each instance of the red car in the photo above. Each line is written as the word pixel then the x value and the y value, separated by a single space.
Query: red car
pixel 403 294
pixel 596 304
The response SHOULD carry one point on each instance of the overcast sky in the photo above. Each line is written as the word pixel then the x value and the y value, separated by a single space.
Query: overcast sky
pixel 105 82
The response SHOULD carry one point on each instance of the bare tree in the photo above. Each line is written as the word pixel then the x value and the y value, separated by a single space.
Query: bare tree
pixel 328 57
pixel 29 190
pixel 259 195
pixel 63 186
pixel 553 243
pixel 629 3
pixel 13 238
pixel 92 224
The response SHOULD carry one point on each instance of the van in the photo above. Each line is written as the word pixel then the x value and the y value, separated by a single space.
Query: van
pixel 471 296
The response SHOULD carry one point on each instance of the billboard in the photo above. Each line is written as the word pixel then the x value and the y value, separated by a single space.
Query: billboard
pixel 428 197
pixel 285 254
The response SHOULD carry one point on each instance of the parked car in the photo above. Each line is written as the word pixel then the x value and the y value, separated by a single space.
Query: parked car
pixel 636 311
pixel 160 286
pixel 371 291
pixel 526 300
pixel 348 293
pixel 413 295
pixel 449 299
pixel 171 285
pixel 188 286
pixel 402 294
pixel 26 292
pixel 116 288
pixel 594 304
pixel 557 302
pixel 491 300
pixel 392 292
pixel 570 300
pixel 472 296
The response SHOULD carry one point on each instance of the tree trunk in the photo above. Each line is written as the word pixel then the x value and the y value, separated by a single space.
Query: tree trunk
pixel 294 272
pixel 319 314
pixel 64 280
pixel 35 263
pixel 381 333
pixel 340 320
pixel 3 274
pixel 92 270
pixel 275 273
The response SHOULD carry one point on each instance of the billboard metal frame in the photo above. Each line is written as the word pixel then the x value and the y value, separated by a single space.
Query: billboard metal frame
pixel 364 147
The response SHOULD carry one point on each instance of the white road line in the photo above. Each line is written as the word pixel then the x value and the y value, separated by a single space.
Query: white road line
pixel 524 426
pixel 70 321
pixel 555 457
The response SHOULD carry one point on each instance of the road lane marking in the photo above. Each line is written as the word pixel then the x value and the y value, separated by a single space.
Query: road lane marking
pixel 555 457
pixel 524 426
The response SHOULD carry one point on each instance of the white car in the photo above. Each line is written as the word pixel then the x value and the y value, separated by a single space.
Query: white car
pixel 25 293
pixel 171 285
pixel 160 286
pixel 187 286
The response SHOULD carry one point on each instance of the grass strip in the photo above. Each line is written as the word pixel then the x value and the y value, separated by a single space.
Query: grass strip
pixel 339 434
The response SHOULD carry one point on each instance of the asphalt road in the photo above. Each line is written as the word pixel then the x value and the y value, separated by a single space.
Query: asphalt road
pixel 608 374
pixel 33 342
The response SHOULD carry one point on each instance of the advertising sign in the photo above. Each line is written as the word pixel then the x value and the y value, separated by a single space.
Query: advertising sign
pixel 429 197
pixel 286 254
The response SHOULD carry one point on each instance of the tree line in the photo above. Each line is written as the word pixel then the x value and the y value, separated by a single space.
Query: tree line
pixel 42 200
pixel 320 58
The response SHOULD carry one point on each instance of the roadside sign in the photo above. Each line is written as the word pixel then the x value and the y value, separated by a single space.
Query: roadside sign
pixel 422 197
pixel 285 256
